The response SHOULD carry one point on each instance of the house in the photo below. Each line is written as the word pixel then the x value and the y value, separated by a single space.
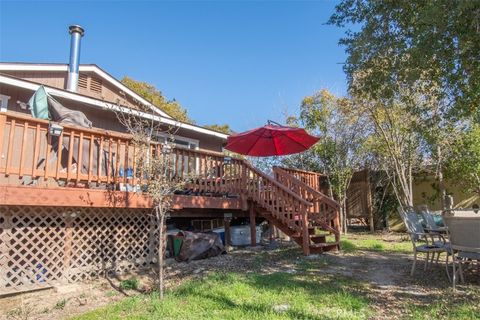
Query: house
pixel 64 216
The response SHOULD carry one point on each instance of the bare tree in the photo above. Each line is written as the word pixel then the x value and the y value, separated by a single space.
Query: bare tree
pixel 397 142
pixel 155 168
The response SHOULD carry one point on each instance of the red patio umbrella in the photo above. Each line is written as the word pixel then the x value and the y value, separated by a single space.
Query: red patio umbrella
pixel 271 140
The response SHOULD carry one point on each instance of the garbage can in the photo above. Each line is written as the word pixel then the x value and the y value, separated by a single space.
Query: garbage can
pixel 177 245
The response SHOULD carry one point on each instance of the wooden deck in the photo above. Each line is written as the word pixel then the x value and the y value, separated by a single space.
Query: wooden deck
pixel 75 197
pixel 82 166
pixel 65 215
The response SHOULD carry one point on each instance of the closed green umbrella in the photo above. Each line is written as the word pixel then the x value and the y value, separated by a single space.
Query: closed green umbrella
pixel 39 104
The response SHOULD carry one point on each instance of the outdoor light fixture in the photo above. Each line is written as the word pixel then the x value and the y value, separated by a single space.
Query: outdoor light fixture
pixel 54 129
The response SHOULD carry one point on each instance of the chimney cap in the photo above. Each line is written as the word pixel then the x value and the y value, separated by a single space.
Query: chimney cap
pixel 76 28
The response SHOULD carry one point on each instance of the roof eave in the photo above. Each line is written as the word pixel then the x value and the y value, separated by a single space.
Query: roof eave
pixel 29 85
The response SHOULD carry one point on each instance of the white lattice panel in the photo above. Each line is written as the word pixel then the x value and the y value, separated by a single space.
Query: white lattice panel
pixel 40 246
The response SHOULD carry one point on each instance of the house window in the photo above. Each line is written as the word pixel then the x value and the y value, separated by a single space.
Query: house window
pixel 186 143
pixel 4 102
pixel 179 141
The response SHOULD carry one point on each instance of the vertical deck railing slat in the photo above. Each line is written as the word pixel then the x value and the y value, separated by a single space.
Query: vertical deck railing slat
pixel 126 165
pixel 22 153
pixel 117 162
pixel 58 165
pixel 99 161
pixel 36 150
pixel 109 161
pixel 91 145
pixel 11 138
pixel 80 156
pixel 70 155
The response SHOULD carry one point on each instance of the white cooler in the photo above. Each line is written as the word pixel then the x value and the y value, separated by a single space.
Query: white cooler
pixel 240 235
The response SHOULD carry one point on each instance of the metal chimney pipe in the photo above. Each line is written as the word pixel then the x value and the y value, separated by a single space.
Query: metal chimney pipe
pixel 77 33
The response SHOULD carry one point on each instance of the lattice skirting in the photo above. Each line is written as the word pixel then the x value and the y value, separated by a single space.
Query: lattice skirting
pixel 43 246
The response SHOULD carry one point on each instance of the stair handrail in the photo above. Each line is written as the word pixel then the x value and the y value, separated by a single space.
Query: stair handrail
pixel 300 171
pixel 276 183
pixel 323 217
pixel 319 195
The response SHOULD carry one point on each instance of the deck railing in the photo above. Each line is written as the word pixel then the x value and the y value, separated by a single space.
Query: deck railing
pixel 323 209
pixel 313 179
pixel 99 158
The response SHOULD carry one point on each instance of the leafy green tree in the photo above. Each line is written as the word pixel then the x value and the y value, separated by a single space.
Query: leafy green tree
pixel 340 151
pixel 224 128
pixel 463 164
pixel 154 96
pixel 403 41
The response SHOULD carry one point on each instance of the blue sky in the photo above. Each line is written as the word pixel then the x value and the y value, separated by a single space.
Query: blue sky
pixel 233 62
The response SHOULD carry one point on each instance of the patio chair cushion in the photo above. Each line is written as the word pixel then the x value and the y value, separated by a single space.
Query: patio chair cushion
pixel 447 246
pixel 431 248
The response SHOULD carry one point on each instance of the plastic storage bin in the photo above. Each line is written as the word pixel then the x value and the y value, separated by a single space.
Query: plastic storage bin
pixel 221 233
pixel 240 235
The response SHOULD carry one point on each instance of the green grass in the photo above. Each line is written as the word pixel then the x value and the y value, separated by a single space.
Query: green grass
pixel 367 242
pixel 60 305
pixel 129 284
pixel 303 285
pixel 251 296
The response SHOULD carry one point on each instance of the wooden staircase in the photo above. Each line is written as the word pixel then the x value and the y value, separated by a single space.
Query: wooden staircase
pixel 297 209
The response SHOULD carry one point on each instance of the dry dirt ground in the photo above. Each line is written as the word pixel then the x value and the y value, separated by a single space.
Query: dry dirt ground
pixel 391 289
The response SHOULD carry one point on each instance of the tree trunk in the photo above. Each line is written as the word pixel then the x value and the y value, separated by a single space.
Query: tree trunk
pixel 343 217
pixel 441 182
pixel 410 186
pixel 369 201
pixel 161 241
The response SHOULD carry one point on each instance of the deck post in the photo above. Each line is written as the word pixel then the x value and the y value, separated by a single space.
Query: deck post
pixel 228 237
pixel 253 226
pixel 305 235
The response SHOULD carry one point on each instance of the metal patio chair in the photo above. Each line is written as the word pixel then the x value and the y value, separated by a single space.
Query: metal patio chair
pixel 429 243
pixel 464 234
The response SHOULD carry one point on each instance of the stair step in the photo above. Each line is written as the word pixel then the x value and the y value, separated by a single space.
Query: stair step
pixel 318 238
pixel 324 244
pixel 324 247
pixel 318 242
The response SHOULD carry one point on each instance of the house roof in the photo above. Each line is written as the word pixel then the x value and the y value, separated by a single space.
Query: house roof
pixel 61 67
pixel 161 115
pixel 61 93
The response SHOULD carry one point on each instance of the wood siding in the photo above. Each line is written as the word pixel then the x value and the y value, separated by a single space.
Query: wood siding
pixel 103 119
pixel 90 85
